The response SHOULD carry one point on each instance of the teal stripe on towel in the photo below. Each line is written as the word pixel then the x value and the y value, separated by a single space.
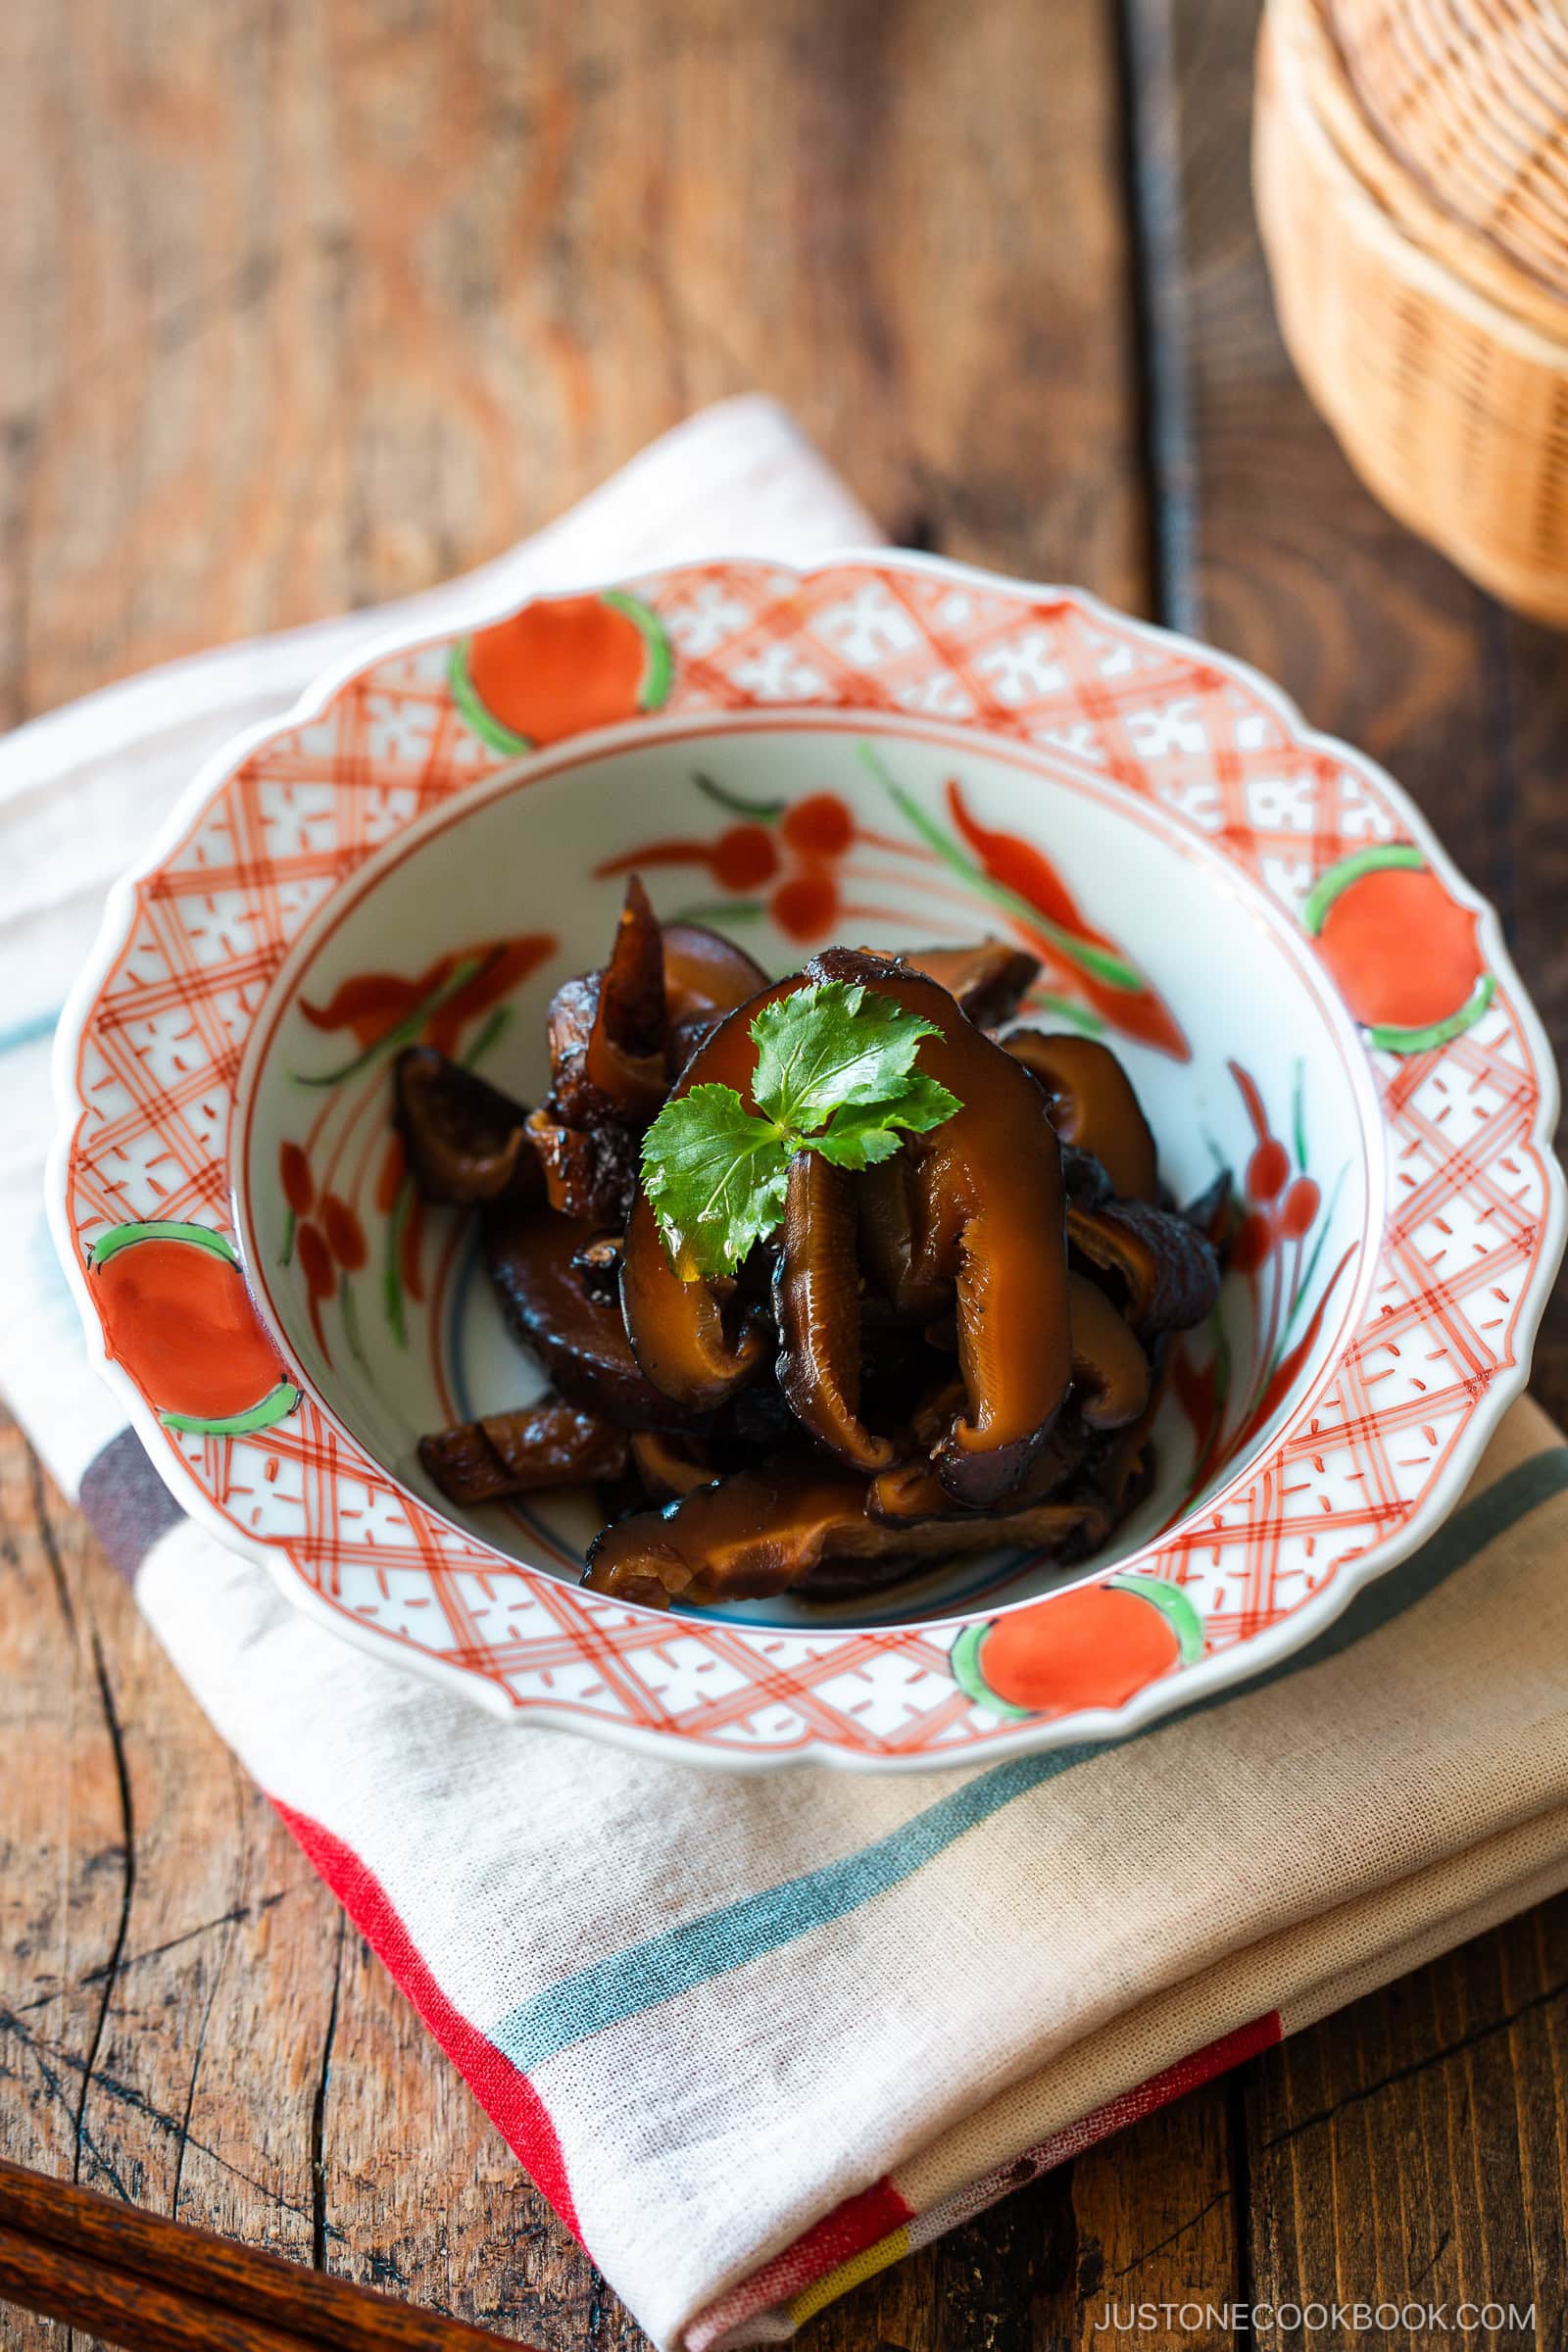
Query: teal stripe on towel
pixel 27 1033
pixel 675 1962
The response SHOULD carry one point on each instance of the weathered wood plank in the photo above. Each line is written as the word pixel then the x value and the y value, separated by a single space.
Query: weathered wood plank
pixel 62 1853
pixel 1410 2149
pixel 1413 2146
pixel 154 1910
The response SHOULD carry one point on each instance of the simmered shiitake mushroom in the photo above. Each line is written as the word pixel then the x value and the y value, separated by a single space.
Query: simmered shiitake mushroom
pixel 467 1141
pixel 766 1530
pixel 990 1211
pixel 1163 1264
pixel 548 1443
pixel 579 1340
pixel 988 981
pixel 952 1348
pixel 1091 1104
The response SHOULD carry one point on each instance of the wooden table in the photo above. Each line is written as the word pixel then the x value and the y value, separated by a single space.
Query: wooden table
pixel 308 301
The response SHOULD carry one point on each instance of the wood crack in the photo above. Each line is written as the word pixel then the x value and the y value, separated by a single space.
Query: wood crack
pixel 1222 2196
pixel 154 1951
pixel 320 2232
pixel 1420 2065
pixel 47 2056
pixel 128 1890
pixel 1156 309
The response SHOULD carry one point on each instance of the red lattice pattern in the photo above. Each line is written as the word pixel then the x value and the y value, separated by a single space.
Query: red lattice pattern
pixel 1470 1215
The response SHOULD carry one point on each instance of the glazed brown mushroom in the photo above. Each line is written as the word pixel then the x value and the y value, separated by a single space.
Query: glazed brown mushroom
pixel 625 1058
pixel 705 974
pixel 579 1340
pixel 989 1213
pixel 885 1205
pixel 1210 1212
pixel 669 1467
pixel 607 1030
pixel 1165 1265
pixel 692 1337
pixel 988 980
pixel 1091 1104
pixel 548 1443
pixel 589 1173
pixel 766 1530
pixel 467 1141
pixel 817 1301
pixel 913 1490
pixel 1110 1372
pixel 1065 1528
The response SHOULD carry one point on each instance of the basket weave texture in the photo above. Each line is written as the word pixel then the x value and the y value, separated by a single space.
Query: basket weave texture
pixel 1472 96
pixel 1418 242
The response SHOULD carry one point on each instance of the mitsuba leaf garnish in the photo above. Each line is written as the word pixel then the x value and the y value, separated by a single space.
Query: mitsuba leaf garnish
pixel 835 1073
pixel 715 1176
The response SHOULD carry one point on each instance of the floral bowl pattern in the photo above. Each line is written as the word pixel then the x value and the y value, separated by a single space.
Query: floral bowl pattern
pixel 889 749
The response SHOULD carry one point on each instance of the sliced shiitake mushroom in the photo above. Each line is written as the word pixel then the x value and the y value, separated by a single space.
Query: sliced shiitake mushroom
pixel 590 1173
pixel 692 1336
pixel 625 1057
pixel 911 1490
pixel 607 1028
pixel 817 1304
pixel 669 1466
pixel 1111 1371
pixel 1210 1212
pixel 1091 1104
pixel 990 1212
pixel 884 1199
pixel 705 974
pixel 766 1530
pixel 580 1340
pixel 1166 1269
pixel 545 1444
pixel 987 979
pixel 467 1141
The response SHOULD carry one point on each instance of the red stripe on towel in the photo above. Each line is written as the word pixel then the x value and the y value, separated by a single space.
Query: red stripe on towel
pixel 506 2097
pixel 864 2220
pixel 1215 2058
pixel 859 2221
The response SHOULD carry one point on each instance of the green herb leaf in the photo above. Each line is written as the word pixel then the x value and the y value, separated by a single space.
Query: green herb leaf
pixel 715 1177
pixel 828 1045
pixel 863 1133
pixel 834 1074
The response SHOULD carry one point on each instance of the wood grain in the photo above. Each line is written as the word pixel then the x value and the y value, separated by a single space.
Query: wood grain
pixel 157 2285
pixel 328 298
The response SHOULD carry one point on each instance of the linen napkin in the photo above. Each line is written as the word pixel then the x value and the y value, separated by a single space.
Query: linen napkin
pixel 758 2036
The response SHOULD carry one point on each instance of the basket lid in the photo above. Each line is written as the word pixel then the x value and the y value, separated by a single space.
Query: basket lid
pixel 1472 97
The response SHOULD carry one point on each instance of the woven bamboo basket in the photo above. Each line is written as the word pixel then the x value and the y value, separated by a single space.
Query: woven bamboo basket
pixel 1436 346
pixel 1472 97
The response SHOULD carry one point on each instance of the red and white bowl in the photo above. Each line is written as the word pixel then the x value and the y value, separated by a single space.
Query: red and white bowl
pixel 887 749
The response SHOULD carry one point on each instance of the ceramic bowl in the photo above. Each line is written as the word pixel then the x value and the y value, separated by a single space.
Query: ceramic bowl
pixel 888 749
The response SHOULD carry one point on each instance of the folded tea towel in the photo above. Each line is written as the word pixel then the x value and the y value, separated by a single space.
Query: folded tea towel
pixel 757 2036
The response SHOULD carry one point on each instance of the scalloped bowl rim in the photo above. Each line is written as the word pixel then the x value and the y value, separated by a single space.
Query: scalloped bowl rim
pixel 1199 1684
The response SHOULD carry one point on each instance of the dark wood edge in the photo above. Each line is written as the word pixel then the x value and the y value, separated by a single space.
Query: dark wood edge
pixel 97 2263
